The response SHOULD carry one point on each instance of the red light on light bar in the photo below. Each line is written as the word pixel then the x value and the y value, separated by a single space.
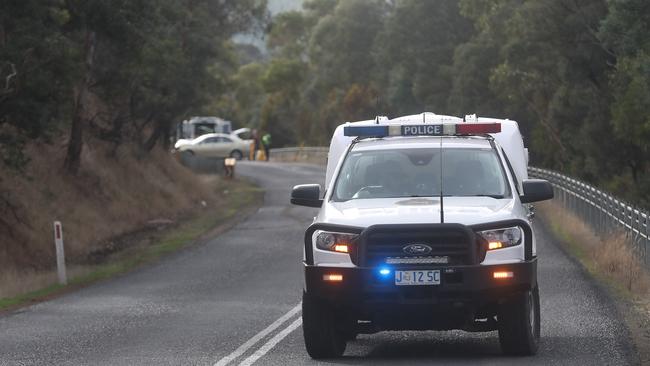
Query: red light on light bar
pixel 477 128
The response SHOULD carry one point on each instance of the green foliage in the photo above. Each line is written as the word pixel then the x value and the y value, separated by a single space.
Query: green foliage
pixel 123 70
pixel 625 31
pixel 289 34
pixel 574 74
pixel 421 71
pixel 35 65
pixel 11 151
pixel 284 76
pixel 341 45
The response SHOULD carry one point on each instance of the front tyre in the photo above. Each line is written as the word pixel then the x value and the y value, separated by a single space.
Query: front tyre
pixel 322 339
pixel 519 324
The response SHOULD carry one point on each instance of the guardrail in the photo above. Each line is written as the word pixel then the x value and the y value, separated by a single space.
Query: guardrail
pixel 606 214
pixel 316 155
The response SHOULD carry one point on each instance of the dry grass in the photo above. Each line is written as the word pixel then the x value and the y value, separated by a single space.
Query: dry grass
pixel 14 282
pixel 112 195
pixel 610 256
pixel 300 157
pixel 618 261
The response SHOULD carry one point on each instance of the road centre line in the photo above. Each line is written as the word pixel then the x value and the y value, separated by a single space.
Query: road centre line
pixel 271 343
pixel 257 337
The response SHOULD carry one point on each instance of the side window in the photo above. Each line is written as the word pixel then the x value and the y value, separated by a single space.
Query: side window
pixel 210 140
pixel 512 172
pixel 225 139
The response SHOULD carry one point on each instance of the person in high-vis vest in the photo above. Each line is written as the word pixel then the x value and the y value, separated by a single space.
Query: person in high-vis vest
pixel 266 142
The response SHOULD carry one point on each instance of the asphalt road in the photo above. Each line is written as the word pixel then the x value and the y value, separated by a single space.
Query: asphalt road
pixel 233 301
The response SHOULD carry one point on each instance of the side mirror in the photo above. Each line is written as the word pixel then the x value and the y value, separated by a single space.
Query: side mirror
pixel 306 195
pixel 536 190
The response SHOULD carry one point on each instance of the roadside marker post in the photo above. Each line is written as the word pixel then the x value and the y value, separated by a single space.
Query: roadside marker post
pixel 229 167
pixel 60 254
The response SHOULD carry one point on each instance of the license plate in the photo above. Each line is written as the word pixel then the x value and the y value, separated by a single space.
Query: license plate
pixel 422 277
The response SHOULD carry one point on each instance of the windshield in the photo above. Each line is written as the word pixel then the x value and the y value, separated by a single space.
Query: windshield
pixel 416 173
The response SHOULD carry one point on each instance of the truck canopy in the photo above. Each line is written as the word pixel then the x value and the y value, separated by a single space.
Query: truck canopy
pixel 509 138
pixel 197 126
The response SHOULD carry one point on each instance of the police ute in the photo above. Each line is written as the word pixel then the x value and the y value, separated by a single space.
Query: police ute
pixel 424 224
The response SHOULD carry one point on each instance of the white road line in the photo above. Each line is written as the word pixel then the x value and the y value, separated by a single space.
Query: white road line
pixel 271 343
pixel 257 337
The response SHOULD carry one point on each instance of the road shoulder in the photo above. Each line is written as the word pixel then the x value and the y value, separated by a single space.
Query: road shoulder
pixel 633 310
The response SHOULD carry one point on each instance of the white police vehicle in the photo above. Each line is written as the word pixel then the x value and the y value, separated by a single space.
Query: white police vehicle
pixel 424 225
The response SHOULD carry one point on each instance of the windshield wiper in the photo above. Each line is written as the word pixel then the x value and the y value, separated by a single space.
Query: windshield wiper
pixel 487 195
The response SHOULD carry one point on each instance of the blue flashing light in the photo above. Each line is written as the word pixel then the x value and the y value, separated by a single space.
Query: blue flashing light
pixel 384 271
pixel 366 131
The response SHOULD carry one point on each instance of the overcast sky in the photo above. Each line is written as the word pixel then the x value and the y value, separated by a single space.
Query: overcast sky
pixel 275 7
pixel 279 6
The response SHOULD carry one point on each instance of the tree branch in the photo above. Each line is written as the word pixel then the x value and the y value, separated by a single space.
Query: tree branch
pixel 7 88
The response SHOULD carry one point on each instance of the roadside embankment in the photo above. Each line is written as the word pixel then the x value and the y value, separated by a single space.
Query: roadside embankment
pixel 119 203
pixel 612 263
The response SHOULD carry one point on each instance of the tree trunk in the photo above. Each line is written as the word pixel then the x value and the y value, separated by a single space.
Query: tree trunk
pixel 160 131
pixel 73 155
pixel 166 136
pixel 79 118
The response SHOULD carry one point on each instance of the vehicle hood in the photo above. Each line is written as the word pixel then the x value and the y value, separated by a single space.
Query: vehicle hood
pixel 240 130
pixel 182 142
pixel 463 210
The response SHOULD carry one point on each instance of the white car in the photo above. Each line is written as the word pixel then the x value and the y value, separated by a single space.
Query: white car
pixel 214 145
pixel 424 225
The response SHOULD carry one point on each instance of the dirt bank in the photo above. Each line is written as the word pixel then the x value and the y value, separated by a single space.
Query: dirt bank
pixel 115 192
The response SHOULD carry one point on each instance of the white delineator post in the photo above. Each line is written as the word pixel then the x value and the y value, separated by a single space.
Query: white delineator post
pixel 60 254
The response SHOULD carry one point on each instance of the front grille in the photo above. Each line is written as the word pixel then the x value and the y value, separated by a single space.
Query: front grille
pixel 451 244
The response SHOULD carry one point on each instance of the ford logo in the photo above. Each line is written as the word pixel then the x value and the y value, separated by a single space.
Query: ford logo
pixel 417 249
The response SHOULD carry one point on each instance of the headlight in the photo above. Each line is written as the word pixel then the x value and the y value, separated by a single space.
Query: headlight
pixel 335 242
pixel 502 238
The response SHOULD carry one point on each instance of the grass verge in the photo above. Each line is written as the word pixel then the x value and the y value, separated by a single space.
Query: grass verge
pixel 146 246
pixel 611 262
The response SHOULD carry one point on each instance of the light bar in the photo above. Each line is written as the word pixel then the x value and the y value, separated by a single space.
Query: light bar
pixel 422 130
pixel 366 131
pixel 477 128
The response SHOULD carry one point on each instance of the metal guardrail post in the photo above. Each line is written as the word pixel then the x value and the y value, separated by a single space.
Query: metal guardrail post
pixel 295 154
pixel 647 240
pixel 637 232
